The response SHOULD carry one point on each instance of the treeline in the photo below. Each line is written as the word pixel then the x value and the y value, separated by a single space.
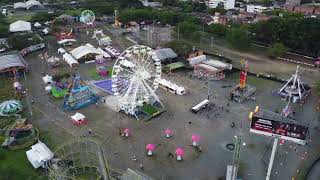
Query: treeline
pixel 291 32
pixel 148 14
pixel 4 27
pixel 297 33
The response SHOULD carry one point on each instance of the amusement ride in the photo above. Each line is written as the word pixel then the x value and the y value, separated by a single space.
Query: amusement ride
pixel 135 78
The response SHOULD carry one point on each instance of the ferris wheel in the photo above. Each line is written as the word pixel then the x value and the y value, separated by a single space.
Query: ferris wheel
pixel 87 17
pixel 135 77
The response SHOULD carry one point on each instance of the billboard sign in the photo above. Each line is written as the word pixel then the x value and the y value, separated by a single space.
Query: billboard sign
pixel 282 130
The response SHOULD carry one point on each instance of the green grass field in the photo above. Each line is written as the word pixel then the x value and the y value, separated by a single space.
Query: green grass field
pixel 149 109
pixel 16 17
pixel 15 166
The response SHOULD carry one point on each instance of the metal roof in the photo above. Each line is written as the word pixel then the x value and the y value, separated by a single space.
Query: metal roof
pixel 166 53
pixel 11 60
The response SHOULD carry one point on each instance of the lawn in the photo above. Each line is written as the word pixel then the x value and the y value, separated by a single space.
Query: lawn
pixel 16 17
pixel 93 74
pixel 6 90
pixel 150 110
pixel 15 166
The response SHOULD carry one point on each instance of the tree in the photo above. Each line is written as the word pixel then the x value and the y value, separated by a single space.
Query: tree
pixel 277 50
pixel 4 27
pixel 179 47
pixel 217 29
pixel 188 29
pixel 43 16
pixel 21 41
pixel 300 34
pixel 238 38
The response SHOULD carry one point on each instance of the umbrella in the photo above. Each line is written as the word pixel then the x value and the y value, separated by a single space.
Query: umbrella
pixel 126 132
pixel 150 148
pixel 179 153
pixel 195 138
pixel 168 133
pixel 10 107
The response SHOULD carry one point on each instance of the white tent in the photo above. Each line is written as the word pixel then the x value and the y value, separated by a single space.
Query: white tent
pixel 37 24
pixel 20 26
pixel 27 5
pixel 66 41
pixel 47 79
pixel 78 117
pixel 70 60
pixel 39 154
pixel 61 51
pixel 45 31
pixel 82 51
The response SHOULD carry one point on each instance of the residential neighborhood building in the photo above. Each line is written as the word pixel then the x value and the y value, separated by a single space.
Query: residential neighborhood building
pixel 256 8
pixel 228 4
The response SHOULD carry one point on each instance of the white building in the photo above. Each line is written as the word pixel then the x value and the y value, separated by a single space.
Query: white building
pixel 255 8
pixel 228 4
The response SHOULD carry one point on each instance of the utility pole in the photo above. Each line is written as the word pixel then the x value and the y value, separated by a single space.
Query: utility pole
pixel 211 44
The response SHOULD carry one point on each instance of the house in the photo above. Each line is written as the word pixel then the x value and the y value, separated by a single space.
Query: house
pixel 256 8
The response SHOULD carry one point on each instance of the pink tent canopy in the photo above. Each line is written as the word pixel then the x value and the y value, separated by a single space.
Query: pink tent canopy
pixel 150 147
pixel 195 138
pixel 168 132
pixel 180 152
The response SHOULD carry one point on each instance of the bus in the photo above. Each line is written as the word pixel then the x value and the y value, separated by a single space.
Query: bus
pixel 200 106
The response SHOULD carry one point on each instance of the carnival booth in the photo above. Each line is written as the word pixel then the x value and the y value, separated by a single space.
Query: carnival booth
pixel 78 119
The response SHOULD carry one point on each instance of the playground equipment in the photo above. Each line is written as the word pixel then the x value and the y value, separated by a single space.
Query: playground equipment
pixel 294 90
pixel 84 156
pixel 116 19
pixel 78 95
pixel 10 108
pixel 87 17
pixel 63 33
pixel 101 65
pixel 134 80
pixel 20 134
pixel 242 91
